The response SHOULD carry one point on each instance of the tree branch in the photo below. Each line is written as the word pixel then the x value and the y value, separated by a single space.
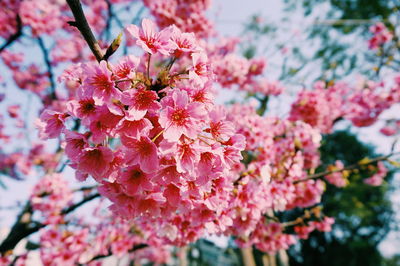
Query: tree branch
pixel 83 26
pixel 15 36
pixel 24 226
pixel 82 202
pixel 349 167
pixel 49 67
pixel 134 248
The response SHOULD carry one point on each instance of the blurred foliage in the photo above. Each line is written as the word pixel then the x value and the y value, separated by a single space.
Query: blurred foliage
pixel 338 26
pixel 348 9
pixel 363 213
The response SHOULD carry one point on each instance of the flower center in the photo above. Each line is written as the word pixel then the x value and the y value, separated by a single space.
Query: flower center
pixel 179 116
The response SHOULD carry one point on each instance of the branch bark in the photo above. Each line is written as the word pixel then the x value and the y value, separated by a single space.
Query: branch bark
pixel 49 68
pixel 349 167
pixel 25 226
pixel 15 36
pixel 83 26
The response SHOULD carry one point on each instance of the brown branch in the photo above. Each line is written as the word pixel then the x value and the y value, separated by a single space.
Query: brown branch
pixel 82 202
pixel 25 226
pixel 349 167
pixel 133 249
pixel 83 26
pixel 15 36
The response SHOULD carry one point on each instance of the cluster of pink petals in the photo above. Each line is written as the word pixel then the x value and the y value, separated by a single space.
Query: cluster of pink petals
pixel 19 164
pixel 49 196
pixel 234 71
pixel 188 16
pixel 30 77
pixel 62 247
pixel 322 107
pixel 303 231
pixel 337 178
pixel 8 17
pixel 101 235
pixel 377 178
pixel 162 156
pixel 324 225
pixel 271 238
pixel 319 107
pixel 282 152
pixel 381 35
pixel 39 14
pixel 366 104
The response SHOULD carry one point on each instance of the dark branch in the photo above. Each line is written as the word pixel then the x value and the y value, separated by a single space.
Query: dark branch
pixel 137 247
pixel 15 36
pixel 24 226
pixel 83 26
pixel 82 202
pixel 49 67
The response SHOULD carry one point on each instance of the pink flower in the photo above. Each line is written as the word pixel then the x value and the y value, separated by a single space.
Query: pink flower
pixel 325 225
pixel 85 109
pixel 303 231
pixel 13 110
pixel 140 102
pixel 98 82
pixel 134 128
pixel 150 40
pixel 50 124
pixel 135 181
pixel 142 151
pixel 200 71
pixel 220 129
pixel 75 144
pixel 180 117
pixel 172 194
pixel 126 67
pixel 95 161
pixel 184 42
pixel 337 178
pixel 104 124
pixel 388 131
pixel 377 178
pixel 126 70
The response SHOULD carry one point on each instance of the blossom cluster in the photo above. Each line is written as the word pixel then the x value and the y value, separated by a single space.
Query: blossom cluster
pixel 381 35
pixel 157 147
pixel 377 178
pixel 337 177
pixel 50 196
pixel 100 236
pixel 362 105
pixel 275 178
pixel 187 16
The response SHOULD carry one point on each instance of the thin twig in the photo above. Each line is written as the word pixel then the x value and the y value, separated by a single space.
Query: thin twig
pixel 49 67
pixel 349 167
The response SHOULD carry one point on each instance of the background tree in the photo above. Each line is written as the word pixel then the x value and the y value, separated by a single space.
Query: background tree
pixel 363 214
